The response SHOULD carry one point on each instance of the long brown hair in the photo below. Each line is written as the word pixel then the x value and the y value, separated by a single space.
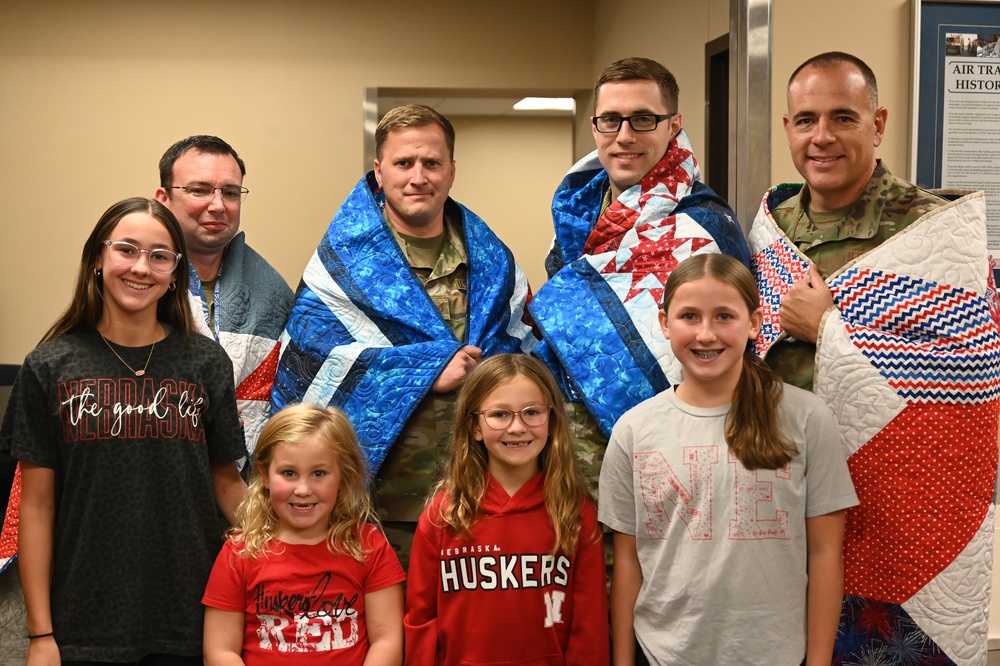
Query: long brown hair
pixel 257 522
pixel 753 431
pixel 87 306
pixel 464 480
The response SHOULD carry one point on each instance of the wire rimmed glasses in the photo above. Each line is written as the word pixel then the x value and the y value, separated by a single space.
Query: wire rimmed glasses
pixel 531 416
pixel 230 193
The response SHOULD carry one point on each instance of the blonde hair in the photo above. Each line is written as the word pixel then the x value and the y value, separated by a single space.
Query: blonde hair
pixel 753 432
pixel 257 523
pixel 464 480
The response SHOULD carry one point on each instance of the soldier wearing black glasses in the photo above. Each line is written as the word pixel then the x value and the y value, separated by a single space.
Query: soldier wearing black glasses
pixel 624 216
pixel 236 296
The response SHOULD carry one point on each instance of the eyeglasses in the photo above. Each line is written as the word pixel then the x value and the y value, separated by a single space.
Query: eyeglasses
pixel 124 253
pixel 532 416
pixel 230 193
pixel 643 122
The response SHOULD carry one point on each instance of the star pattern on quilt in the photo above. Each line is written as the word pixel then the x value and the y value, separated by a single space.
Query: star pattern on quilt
pixel 653 256
pixel 664 181
pixel 776 267
pixel 609 231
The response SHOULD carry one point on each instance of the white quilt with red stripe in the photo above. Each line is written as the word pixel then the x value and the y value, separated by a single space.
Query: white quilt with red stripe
pixel 909 360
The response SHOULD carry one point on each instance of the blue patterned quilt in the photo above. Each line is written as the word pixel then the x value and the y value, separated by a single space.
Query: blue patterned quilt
pixel 364 336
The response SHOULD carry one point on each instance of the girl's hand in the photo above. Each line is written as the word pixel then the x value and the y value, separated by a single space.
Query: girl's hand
pixel 43 652
pixel 825 594
pixel 626 579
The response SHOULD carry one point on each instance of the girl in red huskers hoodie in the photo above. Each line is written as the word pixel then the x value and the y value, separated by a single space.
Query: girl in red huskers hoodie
pixel 507 565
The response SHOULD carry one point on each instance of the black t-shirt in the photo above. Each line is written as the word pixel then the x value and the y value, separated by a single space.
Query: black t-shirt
pixel 136 527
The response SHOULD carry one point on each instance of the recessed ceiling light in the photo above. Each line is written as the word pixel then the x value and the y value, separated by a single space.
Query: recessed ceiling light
pixel 546 104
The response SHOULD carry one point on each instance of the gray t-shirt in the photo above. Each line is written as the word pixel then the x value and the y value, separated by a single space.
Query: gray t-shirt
pixel 722 548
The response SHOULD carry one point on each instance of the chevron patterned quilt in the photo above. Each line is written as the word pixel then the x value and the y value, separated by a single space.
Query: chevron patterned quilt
pixel 909 360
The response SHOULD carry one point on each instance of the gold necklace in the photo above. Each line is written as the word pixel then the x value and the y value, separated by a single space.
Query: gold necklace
pixel 137 373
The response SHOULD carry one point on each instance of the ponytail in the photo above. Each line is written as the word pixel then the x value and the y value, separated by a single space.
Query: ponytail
pixel 753 432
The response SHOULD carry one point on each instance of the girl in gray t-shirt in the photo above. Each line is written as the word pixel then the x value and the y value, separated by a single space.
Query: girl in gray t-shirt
pixel 726 495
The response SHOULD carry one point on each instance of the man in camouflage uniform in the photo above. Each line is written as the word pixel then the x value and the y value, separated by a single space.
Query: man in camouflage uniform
pixel 625 214
pixel 850 203
pixel 433 246
pixel 903 349
pixel 408 319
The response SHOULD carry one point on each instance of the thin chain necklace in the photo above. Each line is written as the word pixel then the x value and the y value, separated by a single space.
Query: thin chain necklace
pixel 137 373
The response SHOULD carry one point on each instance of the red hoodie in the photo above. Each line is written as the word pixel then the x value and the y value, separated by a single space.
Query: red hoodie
pixel 501 597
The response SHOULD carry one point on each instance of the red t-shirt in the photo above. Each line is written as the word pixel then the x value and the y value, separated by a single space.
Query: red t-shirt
pixel 303 602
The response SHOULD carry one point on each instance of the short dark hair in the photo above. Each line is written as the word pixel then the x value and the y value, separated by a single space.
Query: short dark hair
pixel 832 59
pixel 203 143
pixel 633 69
pixel 412 115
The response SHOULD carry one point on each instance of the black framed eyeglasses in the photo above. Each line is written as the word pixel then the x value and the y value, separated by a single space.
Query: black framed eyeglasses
pixel 641 122
pixel 531 416
pixel 124 254
pixel 230 193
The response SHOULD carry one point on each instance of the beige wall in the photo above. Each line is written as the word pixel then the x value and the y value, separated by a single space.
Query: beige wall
pixel 877 32
pixel 94 92
pixel 506 171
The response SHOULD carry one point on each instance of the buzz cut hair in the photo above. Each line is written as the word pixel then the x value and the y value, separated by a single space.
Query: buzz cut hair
pixel 832 59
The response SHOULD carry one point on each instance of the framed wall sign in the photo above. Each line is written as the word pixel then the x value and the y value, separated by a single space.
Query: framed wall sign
pixel 955 129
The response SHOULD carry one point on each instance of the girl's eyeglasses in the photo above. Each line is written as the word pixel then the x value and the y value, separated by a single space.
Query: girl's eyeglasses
pixel 124 253
pixel 531 416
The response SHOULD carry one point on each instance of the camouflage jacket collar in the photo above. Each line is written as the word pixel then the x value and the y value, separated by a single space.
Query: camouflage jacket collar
pixel 860 221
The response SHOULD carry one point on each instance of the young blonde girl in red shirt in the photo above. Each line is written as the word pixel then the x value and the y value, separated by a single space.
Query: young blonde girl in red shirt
pixel 306 577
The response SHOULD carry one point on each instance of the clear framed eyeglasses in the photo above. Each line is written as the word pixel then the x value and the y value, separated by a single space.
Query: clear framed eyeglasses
pixel 124 253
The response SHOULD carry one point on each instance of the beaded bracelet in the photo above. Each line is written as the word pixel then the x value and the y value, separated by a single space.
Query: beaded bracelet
pixel 32 637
